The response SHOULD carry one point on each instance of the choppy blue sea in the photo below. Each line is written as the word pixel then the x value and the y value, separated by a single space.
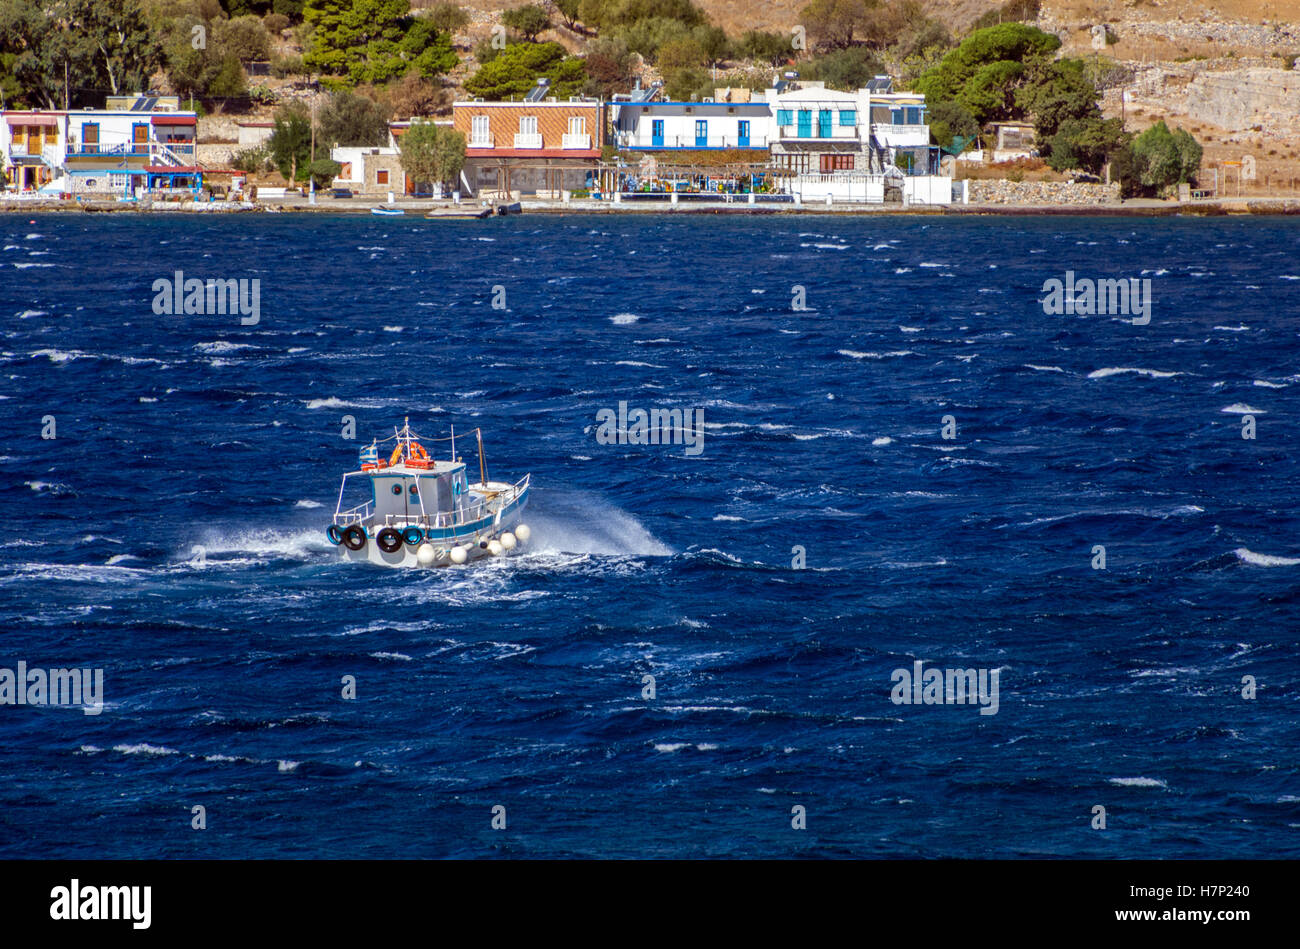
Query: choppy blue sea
pixel 519 683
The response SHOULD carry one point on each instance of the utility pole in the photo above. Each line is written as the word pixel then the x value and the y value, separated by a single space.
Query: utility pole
pixel 311 179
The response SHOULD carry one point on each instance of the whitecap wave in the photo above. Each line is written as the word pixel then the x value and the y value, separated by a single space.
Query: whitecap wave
pixel 221 346
pixel 144 748
pixel 857 354
pixel 1139 782
pixel 1119 370
pixel 1246 555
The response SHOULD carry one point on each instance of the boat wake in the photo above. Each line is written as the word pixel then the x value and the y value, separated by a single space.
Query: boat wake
pixel 580 523
pixel 260 545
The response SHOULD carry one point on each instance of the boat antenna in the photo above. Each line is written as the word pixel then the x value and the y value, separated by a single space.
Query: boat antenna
pixel 482 466
pixel 453 441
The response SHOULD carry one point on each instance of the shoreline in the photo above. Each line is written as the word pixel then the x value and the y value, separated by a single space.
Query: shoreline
pixel 1138 207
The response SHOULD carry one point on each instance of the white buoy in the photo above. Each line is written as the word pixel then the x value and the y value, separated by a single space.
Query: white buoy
pixel 508 540
pixel 494 547
pixel 425 555
pixel 523 532
pixel 459 554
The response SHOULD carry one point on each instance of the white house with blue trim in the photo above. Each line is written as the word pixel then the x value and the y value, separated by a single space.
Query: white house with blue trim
pixel 855 146
pixel 731 118
pixel 816 130
pixel 859 145
pixel 140 143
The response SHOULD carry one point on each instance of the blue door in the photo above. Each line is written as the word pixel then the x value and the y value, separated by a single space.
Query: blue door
pixel 743 138
pixel 805 123
pixel 701 133
pixel 824 123
pixel 657 133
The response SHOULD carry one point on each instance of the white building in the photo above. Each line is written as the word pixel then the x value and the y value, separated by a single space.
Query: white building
pixel 866 145
pixel 377 170
pixel 816 130
pixel 144 144
pixel 869 145
pixel 731 118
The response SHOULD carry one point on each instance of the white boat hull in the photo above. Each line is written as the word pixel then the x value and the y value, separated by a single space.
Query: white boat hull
pixel 485 542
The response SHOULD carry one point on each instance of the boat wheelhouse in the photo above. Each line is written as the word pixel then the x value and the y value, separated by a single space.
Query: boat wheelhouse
pixel 424 511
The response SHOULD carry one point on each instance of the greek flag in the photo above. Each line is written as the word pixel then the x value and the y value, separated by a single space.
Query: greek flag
pixel 370 455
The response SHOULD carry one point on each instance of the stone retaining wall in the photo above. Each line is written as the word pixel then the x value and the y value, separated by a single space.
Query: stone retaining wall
pixel 1041 192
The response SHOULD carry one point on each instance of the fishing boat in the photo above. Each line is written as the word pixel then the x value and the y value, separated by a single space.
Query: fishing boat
pixel 424 511
pixel 453 214
pixel 388 212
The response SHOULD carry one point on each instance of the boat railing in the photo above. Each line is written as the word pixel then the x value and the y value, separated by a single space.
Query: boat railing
pixel 456 518
pixel 353 516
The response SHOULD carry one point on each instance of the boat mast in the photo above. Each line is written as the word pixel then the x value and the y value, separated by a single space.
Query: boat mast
pixel 482 466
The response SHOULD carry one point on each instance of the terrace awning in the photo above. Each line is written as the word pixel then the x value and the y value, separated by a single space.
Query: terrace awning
pixel 33 119
pixel 173 120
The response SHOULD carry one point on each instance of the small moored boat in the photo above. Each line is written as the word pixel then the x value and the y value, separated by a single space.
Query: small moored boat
pixel 424 511
pixel 388 212
pixel 454 214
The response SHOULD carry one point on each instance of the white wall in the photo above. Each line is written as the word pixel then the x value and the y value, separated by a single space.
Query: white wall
pixel 927 189
pixel 813 189
pixel 634 125
pixel 350 156
pixel 870 189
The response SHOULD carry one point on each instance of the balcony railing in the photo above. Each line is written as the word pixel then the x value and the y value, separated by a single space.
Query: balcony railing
pixel 638 140
pixel 573 140
pixel 160 153
pixel 528 140
pixel 907 134
pixel 482 141
pixel 818 130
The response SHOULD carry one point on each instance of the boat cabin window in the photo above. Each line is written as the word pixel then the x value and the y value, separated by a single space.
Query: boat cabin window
pixel 397 489
pixel 414 489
